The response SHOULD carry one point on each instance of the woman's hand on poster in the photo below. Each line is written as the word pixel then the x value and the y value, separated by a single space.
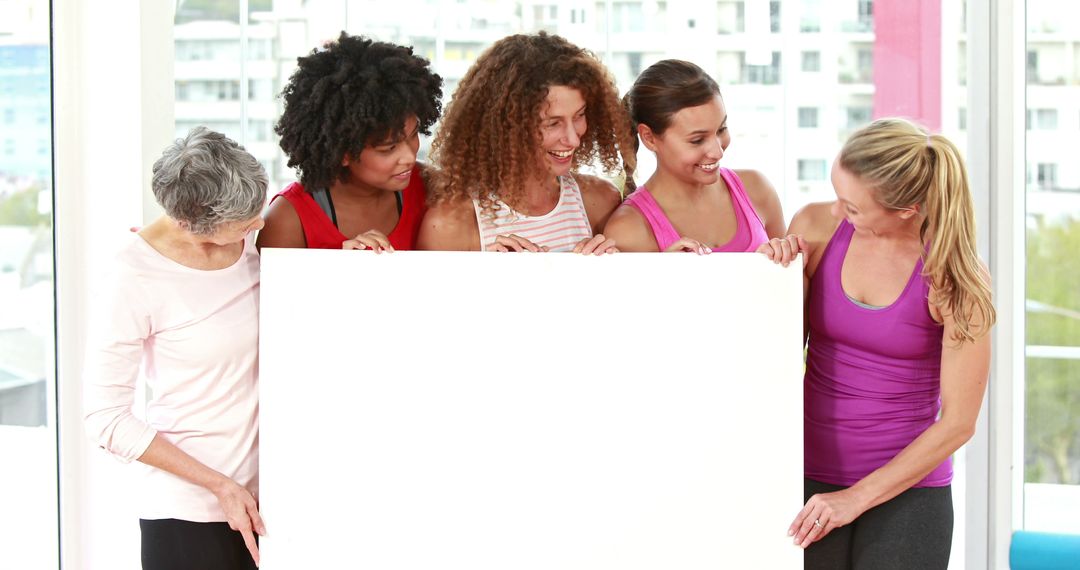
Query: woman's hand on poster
pixel 513 242
pixel 596 245
pixel 783 250
pixel 371 239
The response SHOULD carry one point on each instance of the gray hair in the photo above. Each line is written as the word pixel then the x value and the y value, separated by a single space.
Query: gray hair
pixel 206 179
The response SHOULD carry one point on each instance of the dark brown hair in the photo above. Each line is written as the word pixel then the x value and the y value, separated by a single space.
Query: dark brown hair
pixel 663 89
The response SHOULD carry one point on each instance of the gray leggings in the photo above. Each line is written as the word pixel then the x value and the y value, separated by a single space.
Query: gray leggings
pixel 913 530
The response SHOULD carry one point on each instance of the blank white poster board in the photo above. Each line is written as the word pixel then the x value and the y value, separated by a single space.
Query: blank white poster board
pixel 529 411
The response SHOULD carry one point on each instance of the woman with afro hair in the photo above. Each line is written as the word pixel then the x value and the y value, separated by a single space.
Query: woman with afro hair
pixel 527 114
pixel 353 116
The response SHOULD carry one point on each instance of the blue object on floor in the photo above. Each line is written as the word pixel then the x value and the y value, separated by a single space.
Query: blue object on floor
pixel 1044 551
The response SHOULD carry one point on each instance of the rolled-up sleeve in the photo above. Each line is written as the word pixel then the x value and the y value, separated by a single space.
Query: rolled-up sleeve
pixel 119 328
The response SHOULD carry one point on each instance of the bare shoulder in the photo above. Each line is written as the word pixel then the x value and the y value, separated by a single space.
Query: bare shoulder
pixel 816 224
pixel 449 225
pixel 630 230
pixel 766 202
pixel 756 184
pixel 815 221
pixel 600 197
pixel 282 227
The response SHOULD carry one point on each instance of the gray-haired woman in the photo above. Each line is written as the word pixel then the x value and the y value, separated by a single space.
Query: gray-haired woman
pixel 182 314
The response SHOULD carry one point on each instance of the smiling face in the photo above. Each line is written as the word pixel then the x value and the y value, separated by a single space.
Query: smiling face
pixel 562 124
pixel 855 202
pixel 693 144
pixel 387 164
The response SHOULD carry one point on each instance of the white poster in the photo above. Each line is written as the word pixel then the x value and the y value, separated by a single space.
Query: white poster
pixel 529 411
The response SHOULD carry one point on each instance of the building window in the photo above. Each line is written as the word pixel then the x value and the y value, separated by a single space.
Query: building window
pixel 961 119
pixel 865 65
pixel 866 15
pixel 634 60
pixel 1046 119
pixel 774 16
pixel 811 61
pixel 810 22
pixel 1047 175
pixel 627 17
pixel 858 116
pixel 808 117
pixel 731 17
pixel 763 74
pixel 811 169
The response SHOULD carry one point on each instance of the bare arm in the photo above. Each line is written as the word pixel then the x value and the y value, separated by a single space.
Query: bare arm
pixel 449 226
pixel 630 230
pixel 282 227
pixel 765 201
pixel 600 197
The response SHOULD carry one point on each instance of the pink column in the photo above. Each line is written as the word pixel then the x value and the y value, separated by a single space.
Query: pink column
pixel 907 60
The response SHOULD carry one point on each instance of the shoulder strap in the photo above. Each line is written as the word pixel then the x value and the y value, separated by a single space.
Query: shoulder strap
pixel 326 204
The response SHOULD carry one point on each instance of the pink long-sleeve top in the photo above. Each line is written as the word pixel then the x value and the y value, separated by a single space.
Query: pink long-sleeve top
pixel 192 336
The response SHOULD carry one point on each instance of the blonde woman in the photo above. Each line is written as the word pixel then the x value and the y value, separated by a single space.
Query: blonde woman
pixel 898 308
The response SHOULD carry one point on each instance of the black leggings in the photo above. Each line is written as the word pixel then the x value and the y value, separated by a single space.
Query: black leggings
pixel 171 544
pixel 913 530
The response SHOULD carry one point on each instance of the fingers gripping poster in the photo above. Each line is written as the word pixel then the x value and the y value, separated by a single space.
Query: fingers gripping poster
pixel 529 411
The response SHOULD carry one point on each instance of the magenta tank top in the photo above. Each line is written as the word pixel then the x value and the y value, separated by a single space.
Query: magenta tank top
pixel 749 231
pixel 873 375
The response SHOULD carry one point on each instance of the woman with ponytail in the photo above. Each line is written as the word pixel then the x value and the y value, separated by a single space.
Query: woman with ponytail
pixel 691 203
pixel 899 311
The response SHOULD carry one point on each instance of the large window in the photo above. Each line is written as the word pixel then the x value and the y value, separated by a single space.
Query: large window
pixel 781 64
pixel 28 477
pixel 221 85
pixel 1052 371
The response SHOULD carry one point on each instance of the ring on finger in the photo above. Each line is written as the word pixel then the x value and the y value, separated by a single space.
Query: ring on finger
pixel 817 523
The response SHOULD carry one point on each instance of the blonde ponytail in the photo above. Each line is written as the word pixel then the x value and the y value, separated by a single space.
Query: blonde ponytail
pixel 910 168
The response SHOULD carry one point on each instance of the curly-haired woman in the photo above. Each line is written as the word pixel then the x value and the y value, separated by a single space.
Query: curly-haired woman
pixel 529 112
pixel 351 127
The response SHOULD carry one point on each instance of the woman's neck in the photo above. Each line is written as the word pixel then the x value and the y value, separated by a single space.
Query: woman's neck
pixel 664 185
pixel 357 192
pixel 191 250
pixel 539 196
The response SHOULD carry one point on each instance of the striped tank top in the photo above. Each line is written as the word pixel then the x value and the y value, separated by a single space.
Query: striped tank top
pixel 558 230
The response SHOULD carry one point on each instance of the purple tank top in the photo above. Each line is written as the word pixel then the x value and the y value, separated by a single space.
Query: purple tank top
pixel 873 381
pixel 749 231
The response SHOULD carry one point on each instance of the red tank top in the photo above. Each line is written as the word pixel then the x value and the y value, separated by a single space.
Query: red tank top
pixel 321 233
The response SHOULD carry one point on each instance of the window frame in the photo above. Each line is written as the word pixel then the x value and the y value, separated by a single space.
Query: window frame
pixel 996 82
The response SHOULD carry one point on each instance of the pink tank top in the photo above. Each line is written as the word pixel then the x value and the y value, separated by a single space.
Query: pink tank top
pixel 749 231
pixel 873 375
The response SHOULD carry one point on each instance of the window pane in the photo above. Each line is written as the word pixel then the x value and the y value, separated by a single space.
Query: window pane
pixel 28 484
pixel 1052 371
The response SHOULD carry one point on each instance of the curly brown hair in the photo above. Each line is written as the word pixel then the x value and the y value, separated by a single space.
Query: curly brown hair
pixel 488 143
